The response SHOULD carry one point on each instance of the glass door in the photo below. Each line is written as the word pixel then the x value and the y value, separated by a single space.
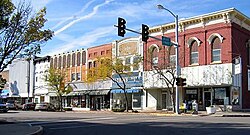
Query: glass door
pixel 207 98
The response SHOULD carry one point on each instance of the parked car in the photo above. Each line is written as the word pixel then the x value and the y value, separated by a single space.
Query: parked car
pixel 3 107
pixel 29 106
pixel 45 106
pixel 13 104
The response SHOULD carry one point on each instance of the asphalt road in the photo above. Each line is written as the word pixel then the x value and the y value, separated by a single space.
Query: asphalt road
pixel 99 123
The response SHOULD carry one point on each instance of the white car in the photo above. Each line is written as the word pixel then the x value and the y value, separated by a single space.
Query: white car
pixel 45 107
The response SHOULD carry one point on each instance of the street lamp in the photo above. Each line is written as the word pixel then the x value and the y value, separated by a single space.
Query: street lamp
pixel 178 72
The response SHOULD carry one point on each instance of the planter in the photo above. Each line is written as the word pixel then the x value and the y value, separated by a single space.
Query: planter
pixel 211 110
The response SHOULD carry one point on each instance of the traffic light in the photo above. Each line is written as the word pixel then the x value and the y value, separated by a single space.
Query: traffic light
pixel 181 81
pixel 121 27
pixel 178 81
pixel 145 32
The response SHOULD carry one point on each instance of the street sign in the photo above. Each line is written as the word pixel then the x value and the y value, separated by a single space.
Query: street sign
pixel 166 41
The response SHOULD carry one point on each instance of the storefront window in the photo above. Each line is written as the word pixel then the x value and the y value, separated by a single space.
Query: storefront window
pixel 219 96
pixel 136 100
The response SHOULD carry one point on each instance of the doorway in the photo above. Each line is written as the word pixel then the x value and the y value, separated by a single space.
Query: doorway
pixel 207 98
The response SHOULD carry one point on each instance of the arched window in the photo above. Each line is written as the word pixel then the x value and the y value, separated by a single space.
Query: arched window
pixel 59 62
pixel 216 49
pixel 64 61
pixel 73 59
pixel 68 60
pixel 154 56
pixel 78 60
pixel 55 62
pixel 194 54
pixel 172 57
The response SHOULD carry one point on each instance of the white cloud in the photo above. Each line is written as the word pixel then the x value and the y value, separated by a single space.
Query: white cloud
pixel 95 9
pixel 74 16
pixel 87 40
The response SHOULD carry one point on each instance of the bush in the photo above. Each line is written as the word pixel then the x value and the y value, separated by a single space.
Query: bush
pixel 68 109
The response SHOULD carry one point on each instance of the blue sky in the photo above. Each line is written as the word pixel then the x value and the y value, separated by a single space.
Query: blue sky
pixel 84 23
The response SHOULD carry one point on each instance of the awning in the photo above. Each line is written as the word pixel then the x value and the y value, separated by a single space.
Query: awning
pixel 99 92
pixel 52 94
pixel 127 90
pixel 90 92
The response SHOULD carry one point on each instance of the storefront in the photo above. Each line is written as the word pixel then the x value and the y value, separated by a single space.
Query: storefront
pixel 206 97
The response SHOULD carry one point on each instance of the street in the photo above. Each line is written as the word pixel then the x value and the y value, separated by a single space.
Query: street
pixel 102 123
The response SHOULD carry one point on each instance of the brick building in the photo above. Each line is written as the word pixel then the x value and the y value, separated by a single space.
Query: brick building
pixel 214 56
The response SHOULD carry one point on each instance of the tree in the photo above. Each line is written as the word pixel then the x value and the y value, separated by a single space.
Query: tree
pixel 21 33
pixel 56 82
pixel 165 69
pixel 112 69
pixel 2 82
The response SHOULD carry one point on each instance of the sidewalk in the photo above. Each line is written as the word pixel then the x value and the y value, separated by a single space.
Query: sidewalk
pixel 10 128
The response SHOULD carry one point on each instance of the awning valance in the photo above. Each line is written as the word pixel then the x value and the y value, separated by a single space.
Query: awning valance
pixel 90 92
pixel 127 90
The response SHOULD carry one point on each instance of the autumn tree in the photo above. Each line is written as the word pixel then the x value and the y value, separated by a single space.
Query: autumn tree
pixel 56 82
pixel 112 69
pixel 21 31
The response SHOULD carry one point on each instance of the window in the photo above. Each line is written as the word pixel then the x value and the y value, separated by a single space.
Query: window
pixel 102 52
pixel 136 61
pixel 216 49
pixel 64 61
pixel 73 59
pixel 78 76
pixel 73 76
pixel 95 53
pixel 127 64
pixel 194 54
pixel 248 52
pixel 154 56
pixel 55 62
pixel 172 56
pixel 59 61
pixel 219 95
pixel 83 58
pixel 36 79
pixel 78 59
pixel 68 60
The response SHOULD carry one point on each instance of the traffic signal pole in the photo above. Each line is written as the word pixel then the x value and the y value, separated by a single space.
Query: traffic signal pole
pixel 140 33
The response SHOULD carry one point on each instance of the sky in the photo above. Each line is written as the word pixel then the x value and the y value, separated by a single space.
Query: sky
pixel 86 23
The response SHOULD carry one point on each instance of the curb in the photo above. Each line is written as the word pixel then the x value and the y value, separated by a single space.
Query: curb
pixel 38 132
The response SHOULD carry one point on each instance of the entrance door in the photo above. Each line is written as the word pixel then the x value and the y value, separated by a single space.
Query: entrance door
pixel 207 98
pixel 98 103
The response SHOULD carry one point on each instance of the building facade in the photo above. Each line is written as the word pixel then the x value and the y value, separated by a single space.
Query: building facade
pixel 213 56
pixel 130 51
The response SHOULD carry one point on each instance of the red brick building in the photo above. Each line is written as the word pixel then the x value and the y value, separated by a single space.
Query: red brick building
pixel 214 56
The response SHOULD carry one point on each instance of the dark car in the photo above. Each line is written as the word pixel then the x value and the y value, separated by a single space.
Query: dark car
pixel 3 107
pixel 29 106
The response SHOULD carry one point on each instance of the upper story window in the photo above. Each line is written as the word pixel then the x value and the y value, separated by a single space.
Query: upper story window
pixel 248 52
pixel 55 62
pixel 127 64
pixel 73 59
pixel 68 60
pixel 194 54
pixel 83 58
pixel 154 56
pixel 136 60
pixel 64 61
pixel 216 49
pixel 59 61
pixel 215 41
pixel 78 59
pixel 172 57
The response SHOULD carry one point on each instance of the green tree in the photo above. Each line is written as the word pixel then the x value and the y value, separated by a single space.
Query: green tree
pixel 56 82
pixel 21 32
pixel 112 69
